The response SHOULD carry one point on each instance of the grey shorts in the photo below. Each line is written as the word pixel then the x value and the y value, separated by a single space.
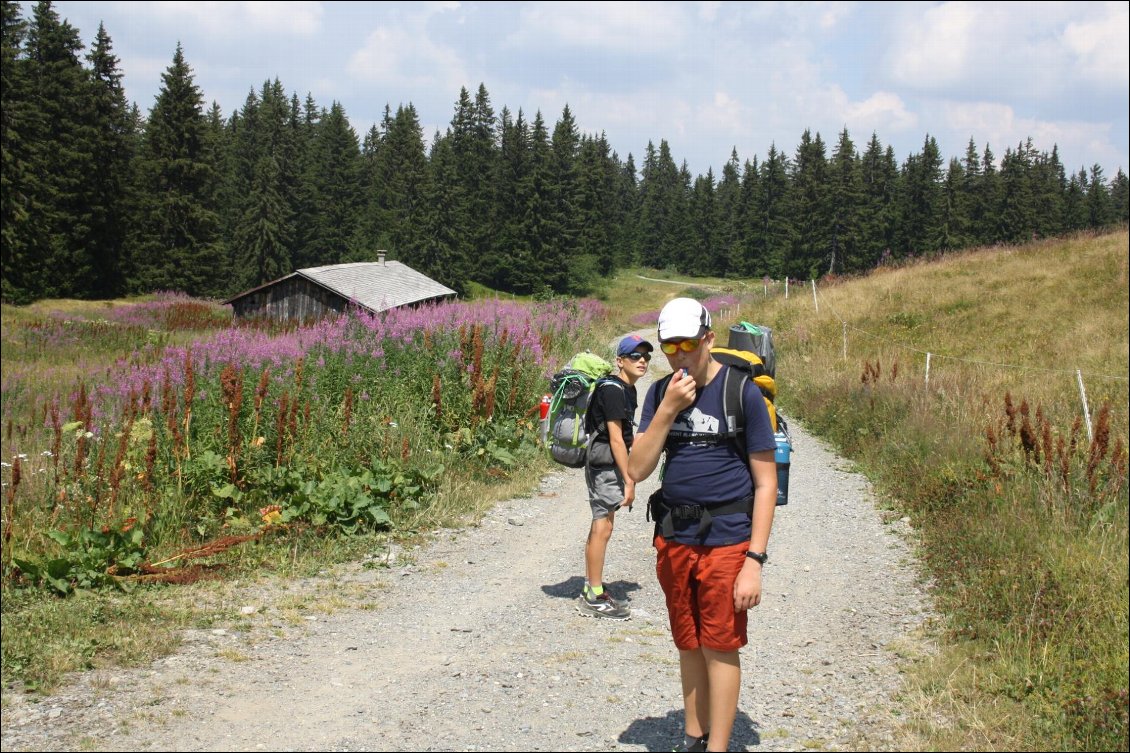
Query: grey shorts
pixel 606 490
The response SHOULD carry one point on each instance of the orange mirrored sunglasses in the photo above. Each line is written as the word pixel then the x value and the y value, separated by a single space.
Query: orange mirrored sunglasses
pixel 687 346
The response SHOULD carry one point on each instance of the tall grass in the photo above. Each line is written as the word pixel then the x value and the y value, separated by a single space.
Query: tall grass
pixel 188 435
pixel 1022 515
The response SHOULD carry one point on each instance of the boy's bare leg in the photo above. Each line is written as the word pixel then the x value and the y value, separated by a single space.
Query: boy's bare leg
pixel 595 548
pixel 696 691
pixel 724 670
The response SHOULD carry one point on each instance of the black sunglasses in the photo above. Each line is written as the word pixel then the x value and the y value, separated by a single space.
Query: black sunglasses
pixel 635 356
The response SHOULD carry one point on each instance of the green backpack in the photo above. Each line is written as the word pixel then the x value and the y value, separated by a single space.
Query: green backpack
pixel 571 388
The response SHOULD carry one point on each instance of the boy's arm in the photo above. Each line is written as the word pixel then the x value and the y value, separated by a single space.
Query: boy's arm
pixel 747 587
pixel 648 445
pixel 620 456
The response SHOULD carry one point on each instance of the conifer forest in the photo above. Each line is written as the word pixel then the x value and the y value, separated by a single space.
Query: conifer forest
pixel 101 200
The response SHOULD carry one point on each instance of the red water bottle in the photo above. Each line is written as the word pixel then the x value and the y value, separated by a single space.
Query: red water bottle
pixel 545 400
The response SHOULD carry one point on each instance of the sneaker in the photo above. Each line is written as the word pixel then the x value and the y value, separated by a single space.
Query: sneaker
pixel 698 747
pixel 602 606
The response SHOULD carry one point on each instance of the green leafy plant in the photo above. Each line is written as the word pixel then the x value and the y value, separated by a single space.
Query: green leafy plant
pixel 90 558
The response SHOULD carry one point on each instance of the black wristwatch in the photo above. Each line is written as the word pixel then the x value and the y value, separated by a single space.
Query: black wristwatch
pixel 761 557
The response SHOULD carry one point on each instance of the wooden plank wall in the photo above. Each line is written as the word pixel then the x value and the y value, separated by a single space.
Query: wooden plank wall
pixel 296 299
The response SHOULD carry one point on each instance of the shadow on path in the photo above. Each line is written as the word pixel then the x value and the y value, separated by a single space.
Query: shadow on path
pixel 664 733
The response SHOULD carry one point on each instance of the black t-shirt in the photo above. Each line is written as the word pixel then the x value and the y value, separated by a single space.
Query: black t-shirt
pixel 613 400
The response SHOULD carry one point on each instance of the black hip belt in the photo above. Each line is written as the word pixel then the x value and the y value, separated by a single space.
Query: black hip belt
pixel 665 515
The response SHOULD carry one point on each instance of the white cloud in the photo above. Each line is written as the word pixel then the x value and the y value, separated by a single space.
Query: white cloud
pixel 402 55
pixel 933 50
pixel 627 26
pixel 1102 45
pixel 999 126
pixel 881 113
pixel 231 19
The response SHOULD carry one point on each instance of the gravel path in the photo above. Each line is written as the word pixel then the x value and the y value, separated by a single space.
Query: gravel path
pixel 472 642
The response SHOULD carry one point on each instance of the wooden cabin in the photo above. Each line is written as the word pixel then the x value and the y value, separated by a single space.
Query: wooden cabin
pixel 316 292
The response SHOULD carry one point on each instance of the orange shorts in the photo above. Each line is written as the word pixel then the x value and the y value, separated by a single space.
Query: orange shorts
pixel 698 582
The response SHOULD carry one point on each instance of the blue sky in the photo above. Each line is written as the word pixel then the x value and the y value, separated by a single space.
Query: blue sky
pixel 708 77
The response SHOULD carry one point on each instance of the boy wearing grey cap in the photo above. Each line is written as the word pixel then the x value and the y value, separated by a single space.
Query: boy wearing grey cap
pixel 609 420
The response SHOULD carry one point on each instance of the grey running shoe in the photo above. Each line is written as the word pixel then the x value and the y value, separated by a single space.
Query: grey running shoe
pixel 602 606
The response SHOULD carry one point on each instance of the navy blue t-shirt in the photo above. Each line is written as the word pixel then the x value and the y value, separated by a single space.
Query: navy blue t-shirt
pixel 712 472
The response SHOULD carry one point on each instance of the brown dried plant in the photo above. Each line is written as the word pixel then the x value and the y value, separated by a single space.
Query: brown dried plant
pixel 437 397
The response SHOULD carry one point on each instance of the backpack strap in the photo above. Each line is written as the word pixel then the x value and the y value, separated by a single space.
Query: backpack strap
pixel 602 427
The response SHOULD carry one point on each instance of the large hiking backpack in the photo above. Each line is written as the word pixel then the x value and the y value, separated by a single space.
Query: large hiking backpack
pixel 571 388
pixel 757 339
pixel 748 365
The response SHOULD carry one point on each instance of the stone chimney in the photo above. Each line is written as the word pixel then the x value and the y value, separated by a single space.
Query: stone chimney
pixel 381 257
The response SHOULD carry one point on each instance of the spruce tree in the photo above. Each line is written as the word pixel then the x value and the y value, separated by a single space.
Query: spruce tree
pixel 774 220
pixel 113 151
pixel 810 207
pixel 1017 209
pixel 563 268
pixel 509 266
pixel 845 199
pixel 707 256
pixel 175 242
pixel 438 256
pixel 335 186
pixel 878 176
pixel 744 259
pixel 1099 210
pixel 727 199
pixel 19 281
pixel 60 137
pixel 1120 197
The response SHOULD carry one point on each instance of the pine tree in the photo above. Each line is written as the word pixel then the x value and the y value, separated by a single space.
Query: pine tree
pixel 744 259
pixel 709 257
pixel 265 230
pixel 1018 206
pixel 626 212
pixel 402 172
pixel 879 177
pixel 1049 182
pixel 536 231
pixel 335 186
pixel 1075 203
pixel 845 203
pixel 989 230
pixel 1099 210
pixel 19 272
pixel 728 205
pixel 563 267
pixel 114 143
pixel 595 206
pixel 1120 197
pixel 511 250
pixel 61 157
pixel 810 207
pixel 663 201
pixel 776 224
pixel 919 202
pixel 438 256
pixel 952 219
pixel 174 244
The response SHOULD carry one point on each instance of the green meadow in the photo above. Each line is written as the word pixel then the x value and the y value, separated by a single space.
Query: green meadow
pixel 155 452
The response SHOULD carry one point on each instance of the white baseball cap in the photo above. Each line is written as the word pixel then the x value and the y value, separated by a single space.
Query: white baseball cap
pixel 683 318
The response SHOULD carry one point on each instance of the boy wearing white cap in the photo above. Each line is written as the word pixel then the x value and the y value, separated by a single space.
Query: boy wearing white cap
pixel 610 418
pixel 713 514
